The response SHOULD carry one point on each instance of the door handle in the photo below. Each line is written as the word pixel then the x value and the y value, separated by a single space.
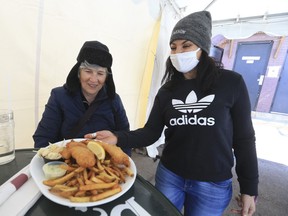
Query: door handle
pixel 260 80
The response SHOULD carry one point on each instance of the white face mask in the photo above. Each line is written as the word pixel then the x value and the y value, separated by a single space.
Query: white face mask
pixel 185 62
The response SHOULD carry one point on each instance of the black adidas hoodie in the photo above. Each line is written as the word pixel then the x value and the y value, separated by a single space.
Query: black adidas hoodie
pixel 203 132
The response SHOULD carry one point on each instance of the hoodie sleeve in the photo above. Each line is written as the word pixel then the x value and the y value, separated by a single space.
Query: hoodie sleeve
pixel 244 142
pixel 147 135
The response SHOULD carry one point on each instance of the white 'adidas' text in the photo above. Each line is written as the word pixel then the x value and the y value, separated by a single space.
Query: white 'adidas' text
pixel 194 120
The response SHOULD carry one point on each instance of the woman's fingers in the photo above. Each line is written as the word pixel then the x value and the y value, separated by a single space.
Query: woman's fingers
pixel 91 135
pixel 105 136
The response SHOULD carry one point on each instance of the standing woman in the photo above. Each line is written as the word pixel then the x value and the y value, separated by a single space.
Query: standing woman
pixel 87 102
pixel 207 112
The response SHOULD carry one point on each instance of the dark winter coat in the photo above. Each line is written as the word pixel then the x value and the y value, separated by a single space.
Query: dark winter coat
pixel 64 109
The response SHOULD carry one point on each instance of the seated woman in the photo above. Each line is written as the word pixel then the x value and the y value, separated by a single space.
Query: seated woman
pixel 87 102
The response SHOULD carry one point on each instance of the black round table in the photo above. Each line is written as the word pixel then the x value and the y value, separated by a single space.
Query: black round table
pixel 142 195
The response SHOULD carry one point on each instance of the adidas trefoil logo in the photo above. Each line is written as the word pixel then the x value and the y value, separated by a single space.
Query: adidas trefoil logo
pixel 192 104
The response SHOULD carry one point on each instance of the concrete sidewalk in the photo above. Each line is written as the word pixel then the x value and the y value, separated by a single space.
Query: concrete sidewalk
pixel 272 151
pixel 272 140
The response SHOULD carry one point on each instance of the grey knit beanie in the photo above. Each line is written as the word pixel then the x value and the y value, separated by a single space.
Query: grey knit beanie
pixel 195 27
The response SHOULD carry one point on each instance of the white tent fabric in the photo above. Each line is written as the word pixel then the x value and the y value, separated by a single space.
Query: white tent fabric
pixel 241 19
pixel 40 40
pixel 247 29
pixel 168 20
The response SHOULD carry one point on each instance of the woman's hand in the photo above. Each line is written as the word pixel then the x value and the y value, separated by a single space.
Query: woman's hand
pixel 247 204
pixel 105 136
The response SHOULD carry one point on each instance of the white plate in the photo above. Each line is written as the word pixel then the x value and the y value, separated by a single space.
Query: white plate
pixel 38 176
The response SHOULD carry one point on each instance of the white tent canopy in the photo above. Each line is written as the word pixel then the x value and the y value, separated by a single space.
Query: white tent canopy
pixel 40 40
pixel 240 19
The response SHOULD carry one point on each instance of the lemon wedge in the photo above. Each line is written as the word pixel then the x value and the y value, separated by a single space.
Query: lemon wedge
pixel 97 149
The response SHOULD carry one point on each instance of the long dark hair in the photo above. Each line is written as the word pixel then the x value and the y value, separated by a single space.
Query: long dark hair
pixel 208 71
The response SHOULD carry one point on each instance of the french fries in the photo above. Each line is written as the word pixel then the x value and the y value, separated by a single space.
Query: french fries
pixel 89 184
pixel 105 194
pixel 61 180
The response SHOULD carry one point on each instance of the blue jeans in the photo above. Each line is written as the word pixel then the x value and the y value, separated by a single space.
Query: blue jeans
pixel 198 198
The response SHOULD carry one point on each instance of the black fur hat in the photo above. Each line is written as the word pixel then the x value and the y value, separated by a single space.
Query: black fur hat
pixel 93 52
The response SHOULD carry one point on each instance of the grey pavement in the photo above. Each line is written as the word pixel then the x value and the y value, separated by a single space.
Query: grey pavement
pixel 272 151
